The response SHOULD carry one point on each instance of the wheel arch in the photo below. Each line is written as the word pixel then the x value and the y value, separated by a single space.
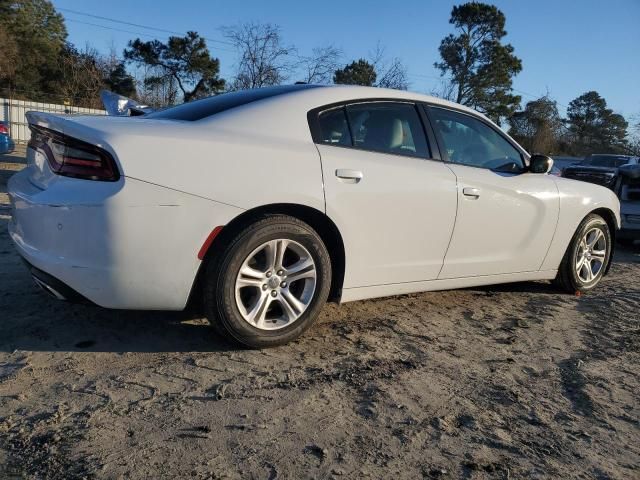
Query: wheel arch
pixel 321 223
pixel 609 217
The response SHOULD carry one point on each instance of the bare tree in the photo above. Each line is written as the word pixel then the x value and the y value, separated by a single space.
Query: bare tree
pixel 264 59
pixel 320 66
pixel 445 89
pixel 394 75
pixel 159 92
pixel 391 73
pixel 82 76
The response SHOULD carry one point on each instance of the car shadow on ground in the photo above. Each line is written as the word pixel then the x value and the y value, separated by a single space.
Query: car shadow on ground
pixel 31 320
pixel 546 288
pixel 623 255
pixel 47 325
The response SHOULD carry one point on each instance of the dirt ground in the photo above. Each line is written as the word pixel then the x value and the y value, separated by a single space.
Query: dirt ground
pixel 516 381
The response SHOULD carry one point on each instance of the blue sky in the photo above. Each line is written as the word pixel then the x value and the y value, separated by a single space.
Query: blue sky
pixel 567 46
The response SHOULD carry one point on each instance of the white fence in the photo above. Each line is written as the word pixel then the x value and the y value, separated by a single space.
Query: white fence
pixel 13 112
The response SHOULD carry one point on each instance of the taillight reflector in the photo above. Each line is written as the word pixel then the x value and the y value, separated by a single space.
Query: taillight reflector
pixel 207 243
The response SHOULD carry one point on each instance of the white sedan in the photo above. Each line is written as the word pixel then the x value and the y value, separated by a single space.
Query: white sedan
pixel 265 203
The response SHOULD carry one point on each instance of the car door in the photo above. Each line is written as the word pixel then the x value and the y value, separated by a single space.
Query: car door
pixel 506 215
pixel 394 205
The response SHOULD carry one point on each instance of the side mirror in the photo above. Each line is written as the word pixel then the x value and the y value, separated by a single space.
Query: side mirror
pixel 540 164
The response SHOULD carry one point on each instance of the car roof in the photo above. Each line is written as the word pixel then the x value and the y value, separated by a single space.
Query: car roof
pixel 292 104
pixel 357 92
pixel 310 96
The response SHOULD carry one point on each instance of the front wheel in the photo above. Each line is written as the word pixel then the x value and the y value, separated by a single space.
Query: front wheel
pixel 269 283
pixel 587 257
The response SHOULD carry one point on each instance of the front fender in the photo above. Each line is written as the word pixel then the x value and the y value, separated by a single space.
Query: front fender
pixel 577 200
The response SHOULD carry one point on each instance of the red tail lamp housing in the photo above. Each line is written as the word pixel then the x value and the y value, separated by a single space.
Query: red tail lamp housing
pixel 71 157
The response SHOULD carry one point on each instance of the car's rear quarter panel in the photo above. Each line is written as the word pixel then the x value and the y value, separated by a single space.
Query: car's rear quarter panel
pixel 128 244
pixel 134 243
pixel 248 157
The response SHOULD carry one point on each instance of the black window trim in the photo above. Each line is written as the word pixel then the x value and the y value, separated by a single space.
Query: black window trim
pixel 316 133
pixel 524 156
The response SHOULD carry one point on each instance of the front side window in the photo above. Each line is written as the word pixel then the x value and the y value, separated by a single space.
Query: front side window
pixel 469 141
pixel 387 127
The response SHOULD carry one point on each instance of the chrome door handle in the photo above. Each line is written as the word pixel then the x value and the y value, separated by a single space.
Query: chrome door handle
pixel 351 176
pixel 471 192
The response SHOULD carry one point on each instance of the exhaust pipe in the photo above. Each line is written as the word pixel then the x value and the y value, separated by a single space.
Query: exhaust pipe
pixel 48 288
pixel 54 287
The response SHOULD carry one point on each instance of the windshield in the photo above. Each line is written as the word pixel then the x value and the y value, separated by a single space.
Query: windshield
pixel 199 109
pixel 611 161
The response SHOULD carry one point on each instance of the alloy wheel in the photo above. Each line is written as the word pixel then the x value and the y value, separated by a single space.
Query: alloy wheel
pixel 275 284
pixel 591 255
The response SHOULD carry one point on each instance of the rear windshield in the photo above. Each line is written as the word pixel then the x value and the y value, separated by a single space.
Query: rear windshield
pixel 199 109
pixel 610 161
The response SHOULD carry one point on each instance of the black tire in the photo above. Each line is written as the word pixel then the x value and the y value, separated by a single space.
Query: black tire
pixel 222 270
pixel 567 278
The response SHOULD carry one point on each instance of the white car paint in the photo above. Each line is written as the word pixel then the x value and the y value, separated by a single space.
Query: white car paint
pixel 126 244
pixel 528 203
pixel 409 242
pixel 406 226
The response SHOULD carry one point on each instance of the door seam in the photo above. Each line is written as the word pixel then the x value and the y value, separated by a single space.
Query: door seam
pixel 324 191
pixel 555 231
pixel 455 221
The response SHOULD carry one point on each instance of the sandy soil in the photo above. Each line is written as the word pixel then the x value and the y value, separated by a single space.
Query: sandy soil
pixel 515 381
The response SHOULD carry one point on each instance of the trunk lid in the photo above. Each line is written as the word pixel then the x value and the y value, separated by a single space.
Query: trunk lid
pixel 100 131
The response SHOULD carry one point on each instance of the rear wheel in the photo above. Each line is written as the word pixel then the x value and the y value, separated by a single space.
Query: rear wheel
pixel 587 256
pixel 269 283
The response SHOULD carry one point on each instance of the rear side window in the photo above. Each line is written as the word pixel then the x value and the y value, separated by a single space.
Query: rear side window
pixel 334 129
pixel 387 127
pixel 199 109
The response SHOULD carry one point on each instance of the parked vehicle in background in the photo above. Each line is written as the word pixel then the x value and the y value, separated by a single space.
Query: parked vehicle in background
pixel 268 202
pixel 555 171
pixel 620 173
pixel 562 162
pixel 628 190
pixel 601 169
pixel 7 145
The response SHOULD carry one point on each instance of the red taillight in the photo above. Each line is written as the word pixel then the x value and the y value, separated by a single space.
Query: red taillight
pixel 4 129
pixel 73 158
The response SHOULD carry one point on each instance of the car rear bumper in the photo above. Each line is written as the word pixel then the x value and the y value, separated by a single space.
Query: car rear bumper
pixel 54 287
pixel 6 144
pixel 630 227
pixel 131 245
pixel 630 213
